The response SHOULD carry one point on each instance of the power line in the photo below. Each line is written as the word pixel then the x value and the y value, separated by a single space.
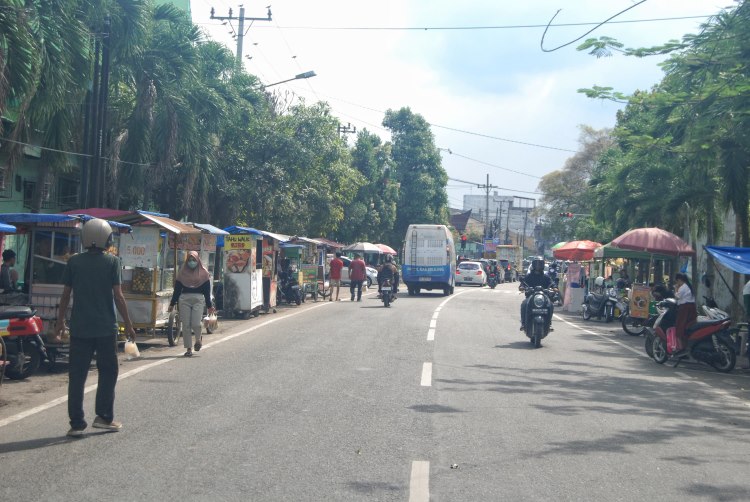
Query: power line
pixel 491 165
pixel 481 27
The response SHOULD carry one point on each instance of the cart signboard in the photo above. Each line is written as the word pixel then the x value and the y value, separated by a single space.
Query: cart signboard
pixel 309 273
pixel 140 248
pixel 640 297
pixel 238 252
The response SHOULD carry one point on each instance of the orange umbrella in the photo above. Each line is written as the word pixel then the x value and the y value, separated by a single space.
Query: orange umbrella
pixel 576 251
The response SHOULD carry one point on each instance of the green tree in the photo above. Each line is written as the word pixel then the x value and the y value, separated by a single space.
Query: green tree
pixel 372 214
pixel 422 194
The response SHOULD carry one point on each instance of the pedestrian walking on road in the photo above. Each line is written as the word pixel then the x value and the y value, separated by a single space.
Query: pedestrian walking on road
pixel 357 275
pixel 336 265
pixel 192 289
pixel 94 278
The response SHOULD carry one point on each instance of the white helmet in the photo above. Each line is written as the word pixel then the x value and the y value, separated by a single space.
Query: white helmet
pixel 96 233
pixel 599 281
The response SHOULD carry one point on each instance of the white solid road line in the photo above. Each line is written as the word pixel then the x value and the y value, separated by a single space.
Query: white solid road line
pixel 140 369
pixel 433 323
pixel 682 374
pixel 426 375
pixel 431 335
pixel 419 482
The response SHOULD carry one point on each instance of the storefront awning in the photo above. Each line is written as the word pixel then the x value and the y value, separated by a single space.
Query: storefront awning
pixel 8 229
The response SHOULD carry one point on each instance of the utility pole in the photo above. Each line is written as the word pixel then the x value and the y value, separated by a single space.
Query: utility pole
pixel 507 225
pixel 347 129
pixel 241 26
pixel 487 187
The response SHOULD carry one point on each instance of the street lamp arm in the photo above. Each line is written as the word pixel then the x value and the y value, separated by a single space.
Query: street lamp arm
pixel 307 74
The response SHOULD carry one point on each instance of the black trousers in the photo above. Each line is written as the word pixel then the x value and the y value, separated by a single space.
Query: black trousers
pixel 358 286
pixel 81 352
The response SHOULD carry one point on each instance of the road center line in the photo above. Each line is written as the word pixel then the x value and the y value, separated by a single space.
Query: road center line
pixel 140 369
pixel 426 375
pixel 431 335
pixel 433 323
pixel 419 482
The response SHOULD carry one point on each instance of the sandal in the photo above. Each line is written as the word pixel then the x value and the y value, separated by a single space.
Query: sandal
pixel 198 345
pixel 189 353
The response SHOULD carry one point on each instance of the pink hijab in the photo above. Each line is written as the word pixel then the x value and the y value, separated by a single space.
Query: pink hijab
pixel 193 277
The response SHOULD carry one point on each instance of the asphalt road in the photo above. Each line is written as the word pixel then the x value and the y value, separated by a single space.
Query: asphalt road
pixel 438 398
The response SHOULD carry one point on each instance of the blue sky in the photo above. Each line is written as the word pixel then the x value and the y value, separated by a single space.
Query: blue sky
pixel 492 82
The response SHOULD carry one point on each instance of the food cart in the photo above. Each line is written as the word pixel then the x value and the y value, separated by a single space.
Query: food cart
pixel 243 272
pixel 43 244
pixel 271 260
pixel 311 262
pixel 150 256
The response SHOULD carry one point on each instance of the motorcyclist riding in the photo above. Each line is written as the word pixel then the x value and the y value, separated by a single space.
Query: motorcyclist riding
pixel 534 278
pixel 388 271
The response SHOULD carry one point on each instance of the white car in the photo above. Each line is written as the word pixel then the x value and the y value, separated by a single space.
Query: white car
pixel 470 272
pixel 372 274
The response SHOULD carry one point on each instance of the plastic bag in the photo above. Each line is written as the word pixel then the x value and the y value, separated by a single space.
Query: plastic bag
pixel 211 322
pixel 131 350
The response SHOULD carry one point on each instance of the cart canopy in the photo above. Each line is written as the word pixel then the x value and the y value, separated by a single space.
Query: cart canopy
pixel 211 229
pixel 736 259
pixel 8 229
pixel 52 219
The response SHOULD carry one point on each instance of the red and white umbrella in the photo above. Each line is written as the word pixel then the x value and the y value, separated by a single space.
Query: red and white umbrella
pixel 576 251
pixel 386 249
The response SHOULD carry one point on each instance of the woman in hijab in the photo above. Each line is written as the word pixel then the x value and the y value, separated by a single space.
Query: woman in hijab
pixel 192 290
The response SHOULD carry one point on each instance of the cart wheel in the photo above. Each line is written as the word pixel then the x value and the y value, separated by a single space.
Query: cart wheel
pixel 173 328
pixel 247 315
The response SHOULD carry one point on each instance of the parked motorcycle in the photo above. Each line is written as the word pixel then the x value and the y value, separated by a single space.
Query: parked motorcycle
pixel 290 290
pixel 25 350
pixel 708 340
pixel 539 309
pixel 600 305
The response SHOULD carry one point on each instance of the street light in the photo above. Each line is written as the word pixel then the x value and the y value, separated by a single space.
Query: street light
pixel 307 74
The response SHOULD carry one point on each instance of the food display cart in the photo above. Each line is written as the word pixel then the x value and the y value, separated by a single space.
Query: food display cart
pixel 43 244
pixel 311 261
pixel 151 256
pixel 271 250
pixel 243 272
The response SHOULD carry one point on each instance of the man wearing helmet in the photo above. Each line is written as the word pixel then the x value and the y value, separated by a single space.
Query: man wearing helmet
pixel 388 271
pixel 94 278
pixel 534 278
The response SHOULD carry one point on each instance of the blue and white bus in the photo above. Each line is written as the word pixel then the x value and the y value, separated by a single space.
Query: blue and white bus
pixel 429 259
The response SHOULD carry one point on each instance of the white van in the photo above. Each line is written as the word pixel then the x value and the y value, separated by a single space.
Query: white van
pixel 429 259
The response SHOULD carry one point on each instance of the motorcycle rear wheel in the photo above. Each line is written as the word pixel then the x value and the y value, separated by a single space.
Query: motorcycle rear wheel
pixel 659 350
pixel 387 300
pixel 29 367
pixel 649 344
pixel 633 326
pixel 729 357
pixel 586 313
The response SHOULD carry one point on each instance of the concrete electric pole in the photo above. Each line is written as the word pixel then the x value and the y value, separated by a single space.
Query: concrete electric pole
pixel 241 26
pixel 487 188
